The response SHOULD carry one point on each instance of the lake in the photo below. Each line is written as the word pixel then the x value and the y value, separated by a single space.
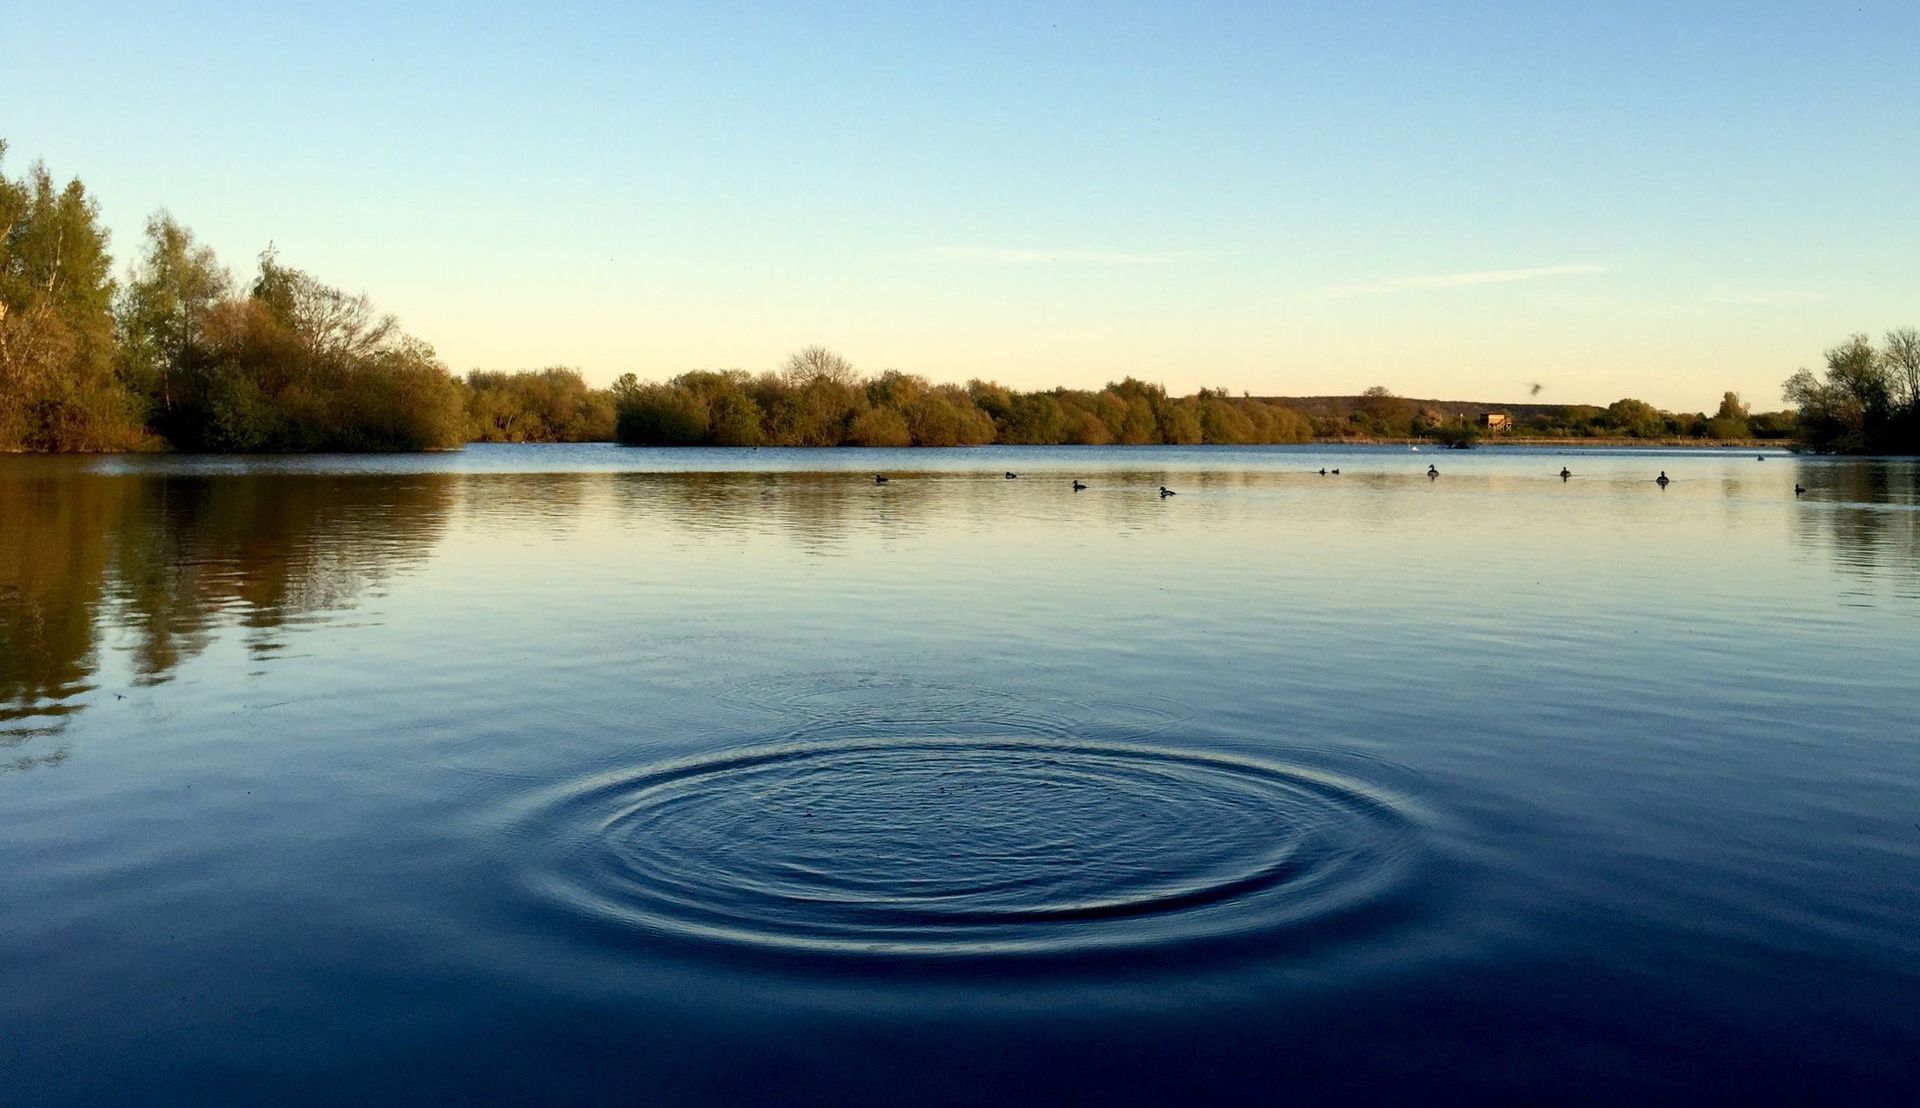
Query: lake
pixel 587 774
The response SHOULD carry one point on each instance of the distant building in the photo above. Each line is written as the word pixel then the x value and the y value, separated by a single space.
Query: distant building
pixel 1496 421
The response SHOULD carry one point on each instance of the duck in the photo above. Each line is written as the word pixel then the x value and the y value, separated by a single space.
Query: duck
pixel 1165 492
pixel 879 479
pixel 1077 486
pixel 1662 479
pixel 1336 473
pixel 1323 471
pixel 1759 457
pixel 1012 476
pixel 1433 471
pixel 1565 473
pixel 1799 489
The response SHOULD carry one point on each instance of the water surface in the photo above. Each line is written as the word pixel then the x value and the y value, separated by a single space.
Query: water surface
pixel 604 775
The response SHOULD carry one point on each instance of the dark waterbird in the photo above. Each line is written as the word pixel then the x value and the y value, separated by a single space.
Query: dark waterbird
pixel 1565 473
pixel 1077 485
pixel 879 479
pixel 1165 491
pixel 1432 471
pixel 1323 471
pixel 1336 473
pixel 1012 476
pixel 1662 479
pixel 1799 489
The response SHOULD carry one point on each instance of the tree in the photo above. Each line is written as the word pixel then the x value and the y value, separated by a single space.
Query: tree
pixel 1379 412
pixel 879 427
pixel 162 312
pixel 296 364
pixel 1141 423
pixel 1902 357
pixel 1862 402
pixel 333 326
pixel 548 405
pixel 1636 418
pixel 1732 421
pixel 817 363
pixel 1222 421
pixel 58 389
pixel 1180 423
pixel 660 415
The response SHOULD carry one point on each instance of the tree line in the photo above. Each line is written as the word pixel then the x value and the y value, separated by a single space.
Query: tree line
pixel 1378 413
pixel 818 399
pixel 179 354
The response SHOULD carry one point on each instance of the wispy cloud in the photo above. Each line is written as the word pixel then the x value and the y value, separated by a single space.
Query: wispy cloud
pixel 1000 255
pixel 1464 280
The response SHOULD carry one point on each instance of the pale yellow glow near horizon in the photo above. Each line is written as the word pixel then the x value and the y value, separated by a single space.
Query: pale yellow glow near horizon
pixel 1581 347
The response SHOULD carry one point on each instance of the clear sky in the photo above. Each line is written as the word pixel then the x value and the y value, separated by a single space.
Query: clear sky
pixel 1661 200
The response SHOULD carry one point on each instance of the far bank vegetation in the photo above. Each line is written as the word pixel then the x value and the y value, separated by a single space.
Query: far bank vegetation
pixel 176 353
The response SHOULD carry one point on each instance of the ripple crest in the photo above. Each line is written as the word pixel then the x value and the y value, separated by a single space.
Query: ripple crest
pixel 970 845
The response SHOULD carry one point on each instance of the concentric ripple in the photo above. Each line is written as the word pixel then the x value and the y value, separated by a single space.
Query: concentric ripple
pixel 957 845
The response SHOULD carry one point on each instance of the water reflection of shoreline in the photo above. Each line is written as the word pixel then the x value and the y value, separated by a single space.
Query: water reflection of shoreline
pixel 168 560
pixel 1865 516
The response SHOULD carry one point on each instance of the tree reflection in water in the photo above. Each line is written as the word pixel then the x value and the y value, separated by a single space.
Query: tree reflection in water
pixel 169 560
pixel 1865 516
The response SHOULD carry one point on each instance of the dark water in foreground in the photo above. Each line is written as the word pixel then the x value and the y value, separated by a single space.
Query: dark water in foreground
pixel 580 774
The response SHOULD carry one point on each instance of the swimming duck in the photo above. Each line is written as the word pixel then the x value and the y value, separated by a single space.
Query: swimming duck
pixel 1662 479
pixel 1012 476
pixel 1323 471
pixel 879 479
pixel 1433 471
pixel 1165 491
pixel 1336 473
pixel 1077 486
pixel 1565 473
pixel 1799 489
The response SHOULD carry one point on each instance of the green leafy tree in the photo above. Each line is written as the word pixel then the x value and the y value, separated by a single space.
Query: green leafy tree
pixel 162 312
pixel 548 405
pixel 58 388
pixel 1731 421
pixel 1635 418
pixel 1864 401
pixel 298 365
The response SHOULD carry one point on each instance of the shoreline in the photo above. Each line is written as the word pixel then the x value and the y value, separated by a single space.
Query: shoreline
pixel 1609 443
pixel 1783 446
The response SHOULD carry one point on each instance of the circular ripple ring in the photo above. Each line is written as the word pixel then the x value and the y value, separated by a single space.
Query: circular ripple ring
pixel 968 845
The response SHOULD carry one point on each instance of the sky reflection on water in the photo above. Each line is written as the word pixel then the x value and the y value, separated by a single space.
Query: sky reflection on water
pixel 286 738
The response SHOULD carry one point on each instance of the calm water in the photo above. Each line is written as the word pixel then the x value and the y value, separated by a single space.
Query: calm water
pixel 599 775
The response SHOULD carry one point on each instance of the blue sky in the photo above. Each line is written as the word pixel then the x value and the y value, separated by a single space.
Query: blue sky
pixel 1656 200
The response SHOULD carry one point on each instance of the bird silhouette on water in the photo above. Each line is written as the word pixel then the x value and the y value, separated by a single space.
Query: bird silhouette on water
pixel 1336 473
pixel 1323 471
pixel 879 479
pixel 1799 489
pixel 1565 473
pixel 1165 492
pixel 1077 486
pixel 1432 472
pixel 1012 476
pixel 1662 479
